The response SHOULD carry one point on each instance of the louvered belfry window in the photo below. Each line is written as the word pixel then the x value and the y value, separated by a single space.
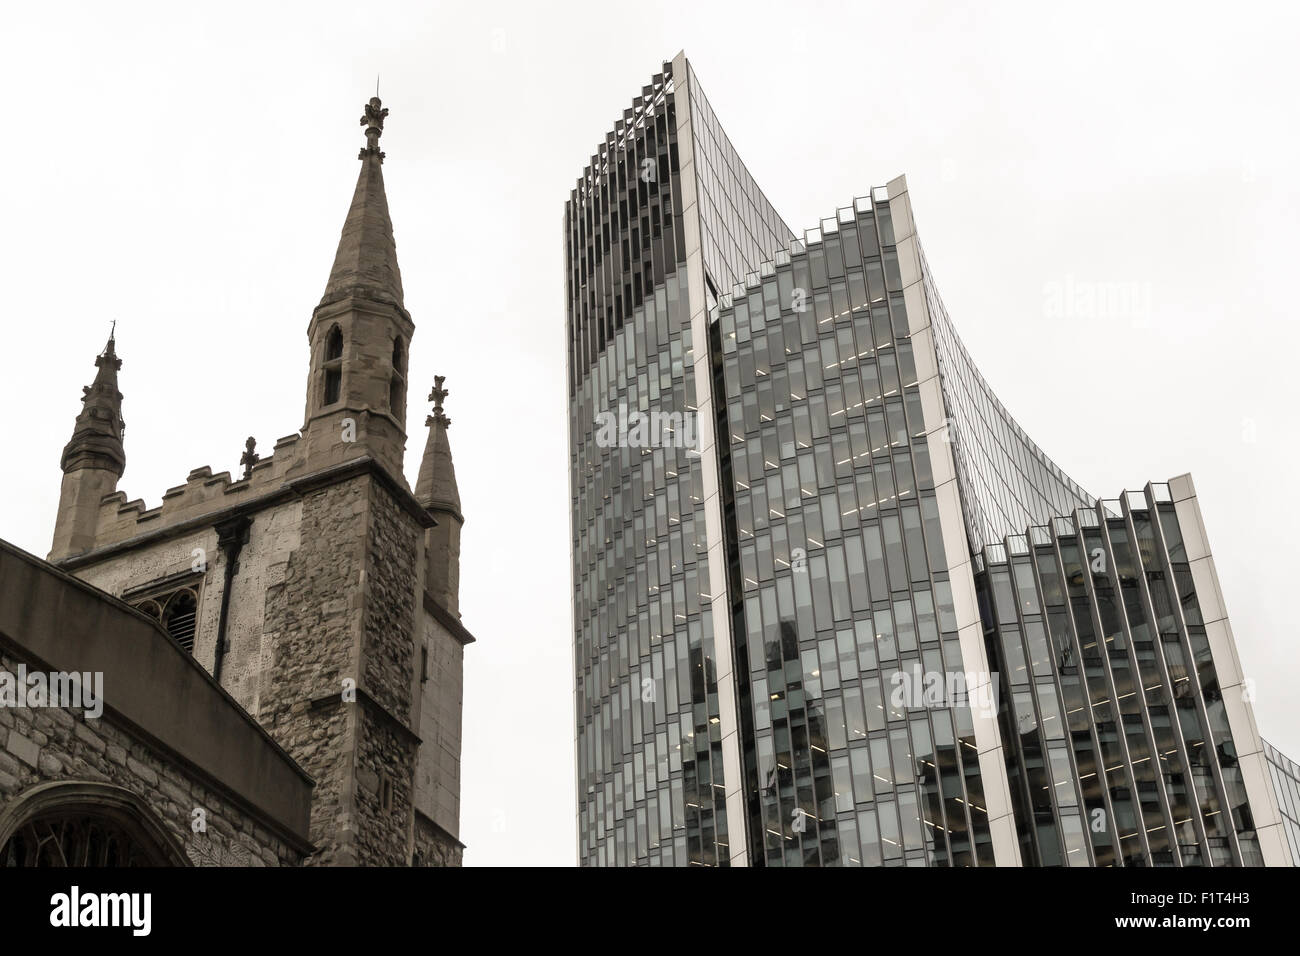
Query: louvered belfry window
pixel 173 601
pixel 180 618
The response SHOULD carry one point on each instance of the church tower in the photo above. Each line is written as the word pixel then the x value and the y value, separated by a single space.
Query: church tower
pixel 316 588
pixel 345 626
pixel 93 460
pixel 360 333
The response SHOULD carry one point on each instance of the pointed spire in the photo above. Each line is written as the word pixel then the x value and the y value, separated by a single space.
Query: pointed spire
pixel 436 486
pixel 97 436
pixel 436 490
pixel 366 261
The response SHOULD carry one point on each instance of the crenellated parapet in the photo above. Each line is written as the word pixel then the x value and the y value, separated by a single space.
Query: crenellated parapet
pixel 201 494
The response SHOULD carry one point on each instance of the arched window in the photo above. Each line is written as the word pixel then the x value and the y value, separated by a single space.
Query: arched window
pixel 180 618
pixel 152 608
pixel 172 602
pixel 397 384
pixel 333 366
pixel 83 823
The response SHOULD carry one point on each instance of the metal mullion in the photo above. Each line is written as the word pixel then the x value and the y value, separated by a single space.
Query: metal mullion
pixel 1014 742
pixel 1076 645
pixel 1060 690
pixel 1180 741
pixel 944 843
pixel 1112 574
pixel 1104 653
pixel 1033 700
pixel 1215 771
pixel 631 264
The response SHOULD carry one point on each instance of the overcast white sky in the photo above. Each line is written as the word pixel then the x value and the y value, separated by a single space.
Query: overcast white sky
pixel 187 171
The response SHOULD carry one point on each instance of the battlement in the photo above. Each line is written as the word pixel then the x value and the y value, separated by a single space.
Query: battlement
pixel 202 493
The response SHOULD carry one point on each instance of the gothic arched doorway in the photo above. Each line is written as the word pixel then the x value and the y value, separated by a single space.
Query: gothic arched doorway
pixel 84 824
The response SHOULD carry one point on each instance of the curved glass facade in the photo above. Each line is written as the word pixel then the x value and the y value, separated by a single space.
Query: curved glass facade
pixel 841 588
pixel 831 605
pixel 648 736
pixel 1007 483
pixel 645 767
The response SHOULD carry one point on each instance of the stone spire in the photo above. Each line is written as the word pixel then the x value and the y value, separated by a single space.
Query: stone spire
pixel 97 436
pixel 366 261
pixel 436 490
pixel 360 335
pixel 436 486
pixel 93 460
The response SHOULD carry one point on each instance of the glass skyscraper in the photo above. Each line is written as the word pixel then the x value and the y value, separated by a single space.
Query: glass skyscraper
pixel 831 605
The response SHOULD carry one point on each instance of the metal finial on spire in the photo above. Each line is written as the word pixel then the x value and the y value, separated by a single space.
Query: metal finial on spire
pixel 110 350
pixel 436 396
pixel 373 121
pixel 250 457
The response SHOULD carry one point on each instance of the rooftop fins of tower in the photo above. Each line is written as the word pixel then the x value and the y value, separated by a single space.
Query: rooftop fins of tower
pixel 93 459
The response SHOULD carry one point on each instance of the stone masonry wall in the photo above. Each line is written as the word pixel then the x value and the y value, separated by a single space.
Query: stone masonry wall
pixel 348 589
pixel 384 756
pixel 312 628
pixel 437 777
pixel 433 846
pixel 394 546
pixel 385 750
pixel 263 563
pixel 326 591
pixel 46 744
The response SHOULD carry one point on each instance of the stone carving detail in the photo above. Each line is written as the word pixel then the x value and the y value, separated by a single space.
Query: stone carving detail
pixel 250 457
pixel 436 396
pixel 373 121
